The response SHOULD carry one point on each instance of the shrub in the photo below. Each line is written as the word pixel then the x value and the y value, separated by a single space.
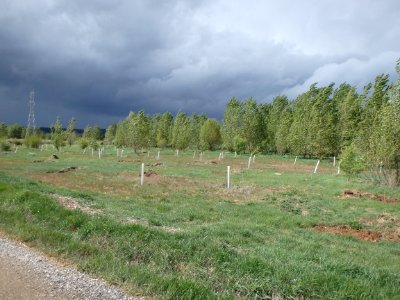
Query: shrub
pixel 5 146
pixel 33 141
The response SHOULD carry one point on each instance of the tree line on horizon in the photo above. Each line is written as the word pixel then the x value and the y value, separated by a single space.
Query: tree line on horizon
pixel 322 122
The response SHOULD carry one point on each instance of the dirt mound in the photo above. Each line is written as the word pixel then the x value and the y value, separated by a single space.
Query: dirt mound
pixel 154 165
pixel 72 203
pixel 357 194
pixel 64 170
pixel 361 234
pixel 150 173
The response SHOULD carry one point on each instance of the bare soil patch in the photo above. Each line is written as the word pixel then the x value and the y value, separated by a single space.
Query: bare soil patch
pixel 150 173
pixel 365 235
pixel 72 203
pixel 64 170
pixel 157 164
pixel 357 194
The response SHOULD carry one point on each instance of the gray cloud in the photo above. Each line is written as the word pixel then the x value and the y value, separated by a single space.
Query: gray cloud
pixel 96 60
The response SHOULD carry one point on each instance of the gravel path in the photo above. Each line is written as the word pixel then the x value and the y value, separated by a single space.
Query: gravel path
pixel 26 274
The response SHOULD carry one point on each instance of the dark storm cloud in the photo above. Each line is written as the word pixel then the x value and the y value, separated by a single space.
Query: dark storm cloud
pixel 96 60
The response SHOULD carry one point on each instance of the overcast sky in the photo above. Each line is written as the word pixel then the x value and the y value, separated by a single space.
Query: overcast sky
pixel 97 60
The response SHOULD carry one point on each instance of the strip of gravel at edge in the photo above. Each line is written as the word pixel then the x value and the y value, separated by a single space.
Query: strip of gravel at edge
pixel 61 280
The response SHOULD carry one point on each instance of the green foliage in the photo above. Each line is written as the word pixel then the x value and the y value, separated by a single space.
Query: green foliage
pixel 210 136
pixel 352 162
pixel 84 143
pixel 70 132
pixel 164 130
pixel 111 131
pixel 3 130
pixel 138 127
pixel 33 141
pixel 57 134
pixel 15 131
pixel 5 146
pixel 239 144
pixel 181 131
pixel 231 123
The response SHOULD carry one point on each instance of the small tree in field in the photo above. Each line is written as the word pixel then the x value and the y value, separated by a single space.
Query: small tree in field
pixel 352 163
pixel 210 136
pixel 57 134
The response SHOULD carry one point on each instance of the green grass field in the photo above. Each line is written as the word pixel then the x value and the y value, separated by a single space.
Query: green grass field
pixel 184 235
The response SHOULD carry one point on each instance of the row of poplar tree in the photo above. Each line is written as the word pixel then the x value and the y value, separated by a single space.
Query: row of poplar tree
pixel 321 122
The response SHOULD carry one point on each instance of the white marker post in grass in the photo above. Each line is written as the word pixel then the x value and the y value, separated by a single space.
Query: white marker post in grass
pixel 16 149
pixel 84 151
pixel 219 157
pixel 117 152
pixel 316 167
pixel 142 175
pixel 201 155
pixel 228 177
pixel 148 153
pixel 194 154
pixel 254 158
pixel 334 161
pixel 99 154
pixel 338 168
pixel 222 155
pixel 249 162
pixel 92 152
pixel 380 167
pixel 158 155
pixel 235 154
pixel 122 152
pixel 295 160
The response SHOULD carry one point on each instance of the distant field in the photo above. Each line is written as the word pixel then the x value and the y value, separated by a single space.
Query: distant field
pixel 280 231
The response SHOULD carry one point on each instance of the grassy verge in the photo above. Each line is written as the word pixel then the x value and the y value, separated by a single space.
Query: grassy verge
pixel 260 246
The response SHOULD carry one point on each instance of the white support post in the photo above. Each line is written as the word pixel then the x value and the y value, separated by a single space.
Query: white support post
pixel 316 167
pixel 254 157
pixel 194 154
pixel 142 175
pixel 338 169
pixel 16 149
pixel 380 167
pixel 158 155
pixel 148 153
pixel 117 152
pixel 219 157
pixel 92 152
pixel 295 160
pixel 334 161
pixel 84 151
pixel 228 177
pixel 122 152
pixel 201 156
pixel 99 153
pixel 222 155
pixel 249 162
pixel 235 154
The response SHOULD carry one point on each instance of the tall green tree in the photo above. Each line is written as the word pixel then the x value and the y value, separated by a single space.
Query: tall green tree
pixel 210 135
pixel 57 134
pixel 274 118
pixel 70 132
pixel 181 131
pixel 164 130
pixel 252 125
pixel 231 123
pixel 110 133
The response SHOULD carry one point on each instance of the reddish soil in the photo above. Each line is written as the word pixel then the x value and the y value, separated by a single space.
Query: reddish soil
pixel 154 165
pixel 150 173
pixel 65 170
pixel 356 194
pixel 361 234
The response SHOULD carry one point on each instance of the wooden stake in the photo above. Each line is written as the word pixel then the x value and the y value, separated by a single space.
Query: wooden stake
pixel 228 177
pixel 142 175
pixel 316 167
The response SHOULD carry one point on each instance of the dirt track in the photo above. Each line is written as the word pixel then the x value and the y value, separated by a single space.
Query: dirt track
pixel 26 274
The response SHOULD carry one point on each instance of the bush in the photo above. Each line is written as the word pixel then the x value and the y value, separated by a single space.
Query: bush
pixel 33 141
pixel 5 146
pixel 352 163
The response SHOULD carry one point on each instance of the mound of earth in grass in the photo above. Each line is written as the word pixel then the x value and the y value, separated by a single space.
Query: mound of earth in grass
pixel 357 194
pixel 361 234
pixel 150 173
pixel 157 164
pixel 64 170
